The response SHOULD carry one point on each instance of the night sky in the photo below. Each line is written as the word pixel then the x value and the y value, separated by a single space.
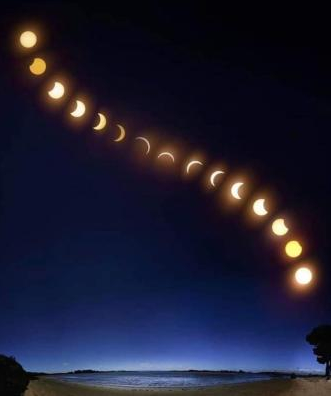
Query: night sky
pixel 109 261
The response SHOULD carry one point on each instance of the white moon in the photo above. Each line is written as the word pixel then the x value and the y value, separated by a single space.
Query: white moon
pixel 146 141
pixel 57 91
pixel 191 163
pixel 213 176
pixel 80 109
pixel 259 207
pixel 235 190
pixel 102 122
pixel 303 276
pixel 166 154
pixel 279 227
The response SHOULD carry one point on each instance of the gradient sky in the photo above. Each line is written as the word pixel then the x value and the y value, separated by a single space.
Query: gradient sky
pixel 110 263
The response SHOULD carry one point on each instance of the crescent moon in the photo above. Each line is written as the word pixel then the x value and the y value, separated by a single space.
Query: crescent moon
pixel 213 176
pixel 191 163
pixel 38 66
pixel 279 227
pixel 146 141
pixel 166 153
pixel 57 91
pixel 80 109
pixel 102 122
pixel 121 135
pixel 235 190
pixel 259 207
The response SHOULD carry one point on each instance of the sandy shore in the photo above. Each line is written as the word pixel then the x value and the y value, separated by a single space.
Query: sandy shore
pixel 279 387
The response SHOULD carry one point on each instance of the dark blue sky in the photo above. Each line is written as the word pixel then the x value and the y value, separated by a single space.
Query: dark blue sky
pixel 110 262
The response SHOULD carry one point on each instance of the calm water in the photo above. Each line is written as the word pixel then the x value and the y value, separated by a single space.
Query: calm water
pixel 145 379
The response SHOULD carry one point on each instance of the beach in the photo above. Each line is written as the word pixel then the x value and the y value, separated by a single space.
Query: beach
pixel 282 387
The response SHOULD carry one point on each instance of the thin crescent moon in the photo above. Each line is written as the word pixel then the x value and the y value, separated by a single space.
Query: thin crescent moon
pixel 80 109
pixel 122 133
pixel 235 190
pixel 213 176
pixel 146 141
pixel 166 153
pixel 259 207
pixel 102 122
pixel 195 162
pixel 57 91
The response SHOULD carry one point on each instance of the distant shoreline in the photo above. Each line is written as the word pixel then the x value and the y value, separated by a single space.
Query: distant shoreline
pixel 273 387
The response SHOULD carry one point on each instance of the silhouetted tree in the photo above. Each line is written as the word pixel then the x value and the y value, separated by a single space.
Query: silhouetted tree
pixel 320 337
pixel 13 379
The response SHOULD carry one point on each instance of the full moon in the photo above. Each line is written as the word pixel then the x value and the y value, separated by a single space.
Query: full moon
pixel 293 249
pixel 38 66
pixel 303 276
pixel 28 39
pixel 279 227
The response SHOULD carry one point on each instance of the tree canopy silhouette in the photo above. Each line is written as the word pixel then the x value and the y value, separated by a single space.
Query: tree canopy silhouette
pixel 320 337
pixel 13 379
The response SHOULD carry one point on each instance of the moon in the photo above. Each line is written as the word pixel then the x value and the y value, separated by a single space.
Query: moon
pixel 259 207
pixel 38 66
pixel 79 110
pixel 146 141
pixel 57 91
pixel 279 227
pixel 28 39
pixel 102 122
pixel 213 176
pixel 121 135
pixel 303 276
pixel 191 163
pixel 235 190
pixel 293 249
pixel 166 154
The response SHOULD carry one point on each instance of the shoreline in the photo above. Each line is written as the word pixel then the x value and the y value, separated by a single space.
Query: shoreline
pixel 273 387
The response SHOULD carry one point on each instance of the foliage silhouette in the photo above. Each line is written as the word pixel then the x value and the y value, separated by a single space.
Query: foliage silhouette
pixel 13 378
pixel 320 337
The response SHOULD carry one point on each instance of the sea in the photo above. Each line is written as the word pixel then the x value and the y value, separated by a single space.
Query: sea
pixel 162 379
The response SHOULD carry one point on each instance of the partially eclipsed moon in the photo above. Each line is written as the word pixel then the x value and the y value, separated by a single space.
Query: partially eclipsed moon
pixel 279 227
pixel 146 141
pixel 102 122
pixel 213 177
pixel 79 110
pixel 166 154
pixel 259 207
pixel 121 135
pixel 235 190
pixel 57 91
pixel 38 66
pixel 191 163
